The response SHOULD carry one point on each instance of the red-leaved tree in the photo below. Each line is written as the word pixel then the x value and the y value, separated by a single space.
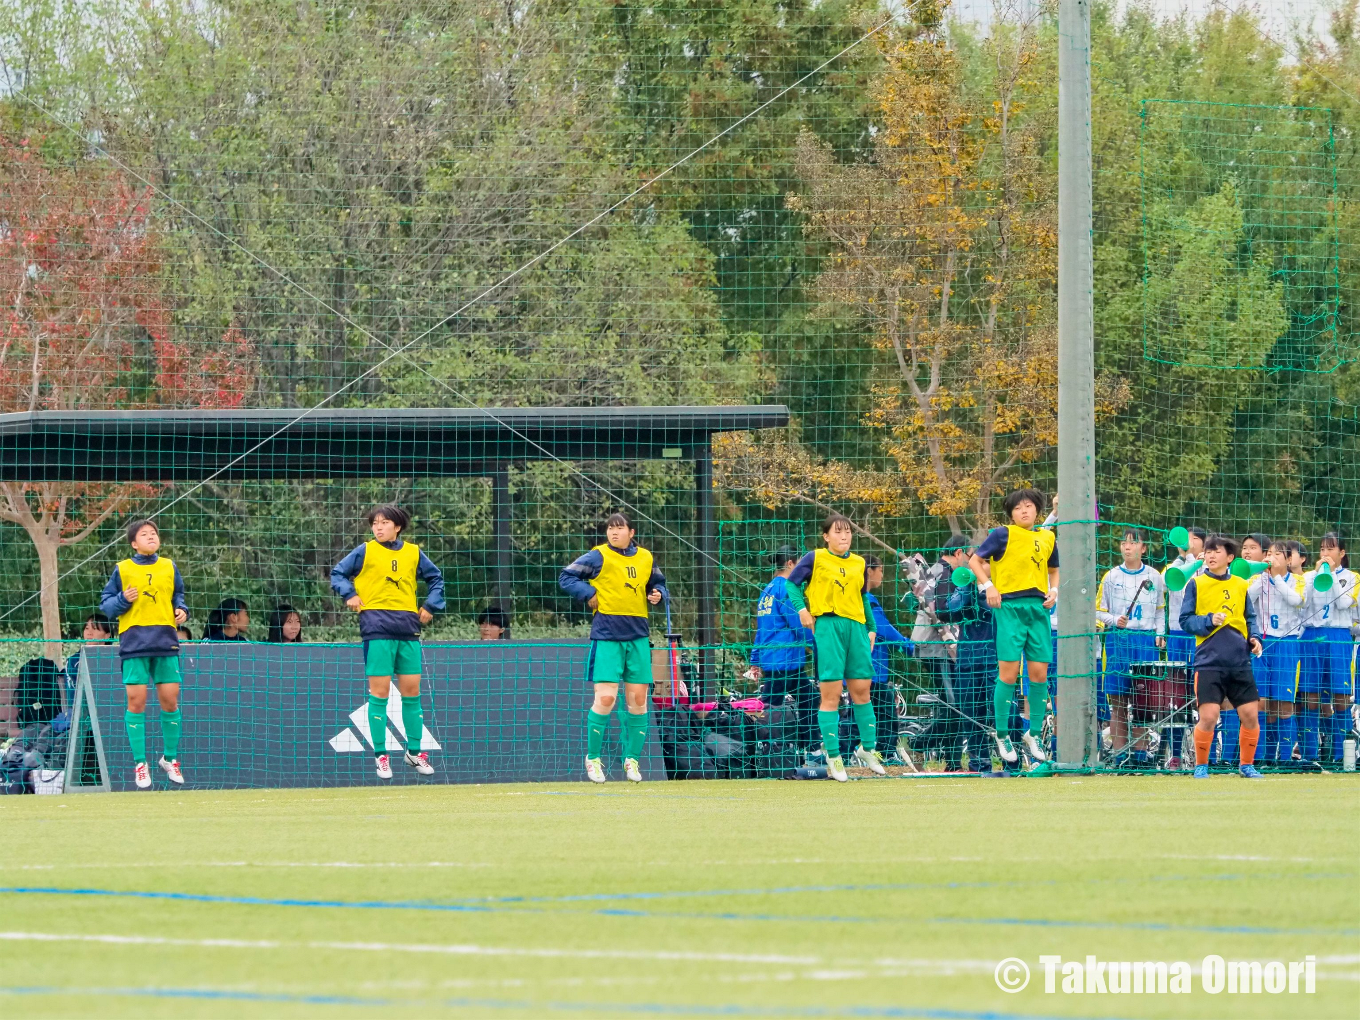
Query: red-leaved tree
pixel 85 325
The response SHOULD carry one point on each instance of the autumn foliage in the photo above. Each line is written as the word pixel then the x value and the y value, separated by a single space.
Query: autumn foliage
pixel 86 325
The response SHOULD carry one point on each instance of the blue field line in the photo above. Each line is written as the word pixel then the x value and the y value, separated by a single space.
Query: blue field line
pixel 418 905
pixel 889 887
pixel 641 1008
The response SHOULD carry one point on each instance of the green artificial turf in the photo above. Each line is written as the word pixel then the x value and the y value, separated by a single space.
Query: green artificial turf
pixel 892 898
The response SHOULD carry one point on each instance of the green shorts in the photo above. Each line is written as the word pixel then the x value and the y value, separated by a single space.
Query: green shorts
pixel 842 650
pixel 1023 631
pixel 620 662
pixel 151 669
pixel 392 657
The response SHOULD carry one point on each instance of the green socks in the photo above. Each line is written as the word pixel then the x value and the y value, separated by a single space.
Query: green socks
pixel 829 723
pixel 413 721
pixel 637 735
pixel 377 723
pixel 136 731
pixel 1001 705
pixel 1038 706
pixel 169 733
pixel 595 724
pixel 868 725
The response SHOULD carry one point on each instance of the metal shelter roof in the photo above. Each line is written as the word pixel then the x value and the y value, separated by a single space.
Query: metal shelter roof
pixel 162 446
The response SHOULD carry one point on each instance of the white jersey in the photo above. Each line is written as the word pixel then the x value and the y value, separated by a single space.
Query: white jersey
pixel 1278 602
pixel 1192 568
pixel 1334 607
pixel 1138 594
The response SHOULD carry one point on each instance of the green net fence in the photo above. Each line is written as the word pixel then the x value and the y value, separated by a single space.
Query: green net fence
pixel 265 232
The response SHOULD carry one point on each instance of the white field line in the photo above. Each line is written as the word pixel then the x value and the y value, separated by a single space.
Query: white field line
pixel 383 947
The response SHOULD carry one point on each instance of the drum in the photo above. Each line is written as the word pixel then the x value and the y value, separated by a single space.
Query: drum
pixel 1160 690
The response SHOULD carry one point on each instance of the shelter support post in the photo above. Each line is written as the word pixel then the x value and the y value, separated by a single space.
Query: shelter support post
pixel 706 539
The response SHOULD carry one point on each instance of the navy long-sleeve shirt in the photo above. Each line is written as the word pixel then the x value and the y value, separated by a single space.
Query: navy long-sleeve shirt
pixel 885 634
pixel 966 607
pixel 141 642
pixel 392 624
pixel 1226 648
pixel 575 581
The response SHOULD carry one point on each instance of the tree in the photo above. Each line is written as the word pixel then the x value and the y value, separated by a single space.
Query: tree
pixel 944 251
pixel 85 326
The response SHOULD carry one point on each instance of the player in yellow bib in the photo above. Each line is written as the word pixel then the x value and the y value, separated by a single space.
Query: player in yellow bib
pixel 378 581
pixel 620 583
pixel 835 605
pixel 145 596
pixel 1016 567
pixel 1217 611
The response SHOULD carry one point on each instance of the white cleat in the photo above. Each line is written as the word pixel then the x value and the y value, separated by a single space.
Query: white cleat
pixel 1006 750
pixel 1036 752
pixel 595 770
pixel 142 775
pixel 871 761
pixel 835 768
pixel 420 762
pixel 171 769
pixel 631 770
pixel 383 766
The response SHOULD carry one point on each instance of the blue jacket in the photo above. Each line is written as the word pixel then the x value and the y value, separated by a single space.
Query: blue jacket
pixel 389 624
pixel 887 634
pixel 967 608
pixel 575 581
pixel 1227 649
pixel 141 642
pixel 781 639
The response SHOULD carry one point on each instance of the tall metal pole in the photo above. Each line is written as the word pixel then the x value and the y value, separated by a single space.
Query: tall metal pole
pixel 1077 734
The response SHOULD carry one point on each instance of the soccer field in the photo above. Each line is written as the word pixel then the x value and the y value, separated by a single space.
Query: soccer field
pixel 889 898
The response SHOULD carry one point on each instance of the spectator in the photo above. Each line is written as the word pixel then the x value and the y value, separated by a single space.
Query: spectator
pixel 936 641
pixel 185 634
pixel 932 639
pixel 974 671
pixel 285 625
pixel 883 693
pixel 228 622
pixel 492 624
pixel 97 630
pixel 779 652
pixel 1180 646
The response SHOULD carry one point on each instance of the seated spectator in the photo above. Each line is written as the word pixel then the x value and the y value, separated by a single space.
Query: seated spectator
pixel 882 693
pixel 285 625
pixel 228 622
pixel 492 623
pixel 97 630
pixel 185 634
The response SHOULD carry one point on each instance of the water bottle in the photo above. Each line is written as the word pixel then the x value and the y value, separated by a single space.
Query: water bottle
pixel 1348 756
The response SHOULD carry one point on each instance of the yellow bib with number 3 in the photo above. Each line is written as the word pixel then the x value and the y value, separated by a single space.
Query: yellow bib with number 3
pixel 1228 596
